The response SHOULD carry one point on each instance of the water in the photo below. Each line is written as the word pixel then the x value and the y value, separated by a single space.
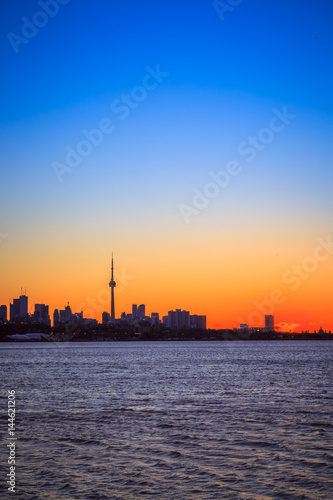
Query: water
pixel 171 420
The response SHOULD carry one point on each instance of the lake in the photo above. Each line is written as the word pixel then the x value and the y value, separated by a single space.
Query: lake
pixel 170 420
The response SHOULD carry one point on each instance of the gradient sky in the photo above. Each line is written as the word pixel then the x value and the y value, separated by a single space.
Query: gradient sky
pixel 225 78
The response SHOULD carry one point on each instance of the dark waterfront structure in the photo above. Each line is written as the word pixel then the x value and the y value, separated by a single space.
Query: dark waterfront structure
pixel 112 285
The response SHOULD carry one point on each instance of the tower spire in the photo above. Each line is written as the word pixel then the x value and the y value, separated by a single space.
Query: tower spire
pixel 112 285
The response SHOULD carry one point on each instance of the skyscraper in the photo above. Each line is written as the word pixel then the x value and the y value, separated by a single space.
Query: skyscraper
pixel 179 318
pixel 112 285
pixel 41 314
pixel 55 316
pixel 3 314
pixel 269 322
pixel 141 312
pixel 105 318
pixel 23 306
pixel 19 308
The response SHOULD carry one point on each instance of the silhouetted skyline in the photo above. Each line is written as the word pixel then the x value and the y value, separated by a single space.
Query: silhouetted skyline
pixel 191 138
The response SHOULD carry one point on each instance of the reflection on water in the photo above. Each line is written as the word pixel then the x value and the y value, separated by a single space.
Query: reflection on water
pixel 175 420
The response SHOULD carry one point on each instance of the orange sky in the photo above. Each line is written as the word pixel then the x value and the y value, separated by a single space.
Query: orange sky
pixel 229 280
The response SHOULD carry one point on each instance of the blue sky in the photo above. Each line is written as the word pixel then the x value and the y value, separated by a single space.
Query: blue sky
pixel 225 77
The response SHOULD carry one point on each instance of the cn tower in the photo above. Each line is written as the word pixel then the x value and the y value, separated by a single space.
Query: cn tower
pixel 112 285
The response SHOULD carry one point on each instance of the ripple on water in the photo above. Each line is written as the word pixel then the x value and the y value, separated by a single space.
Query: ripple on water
pixel 243 420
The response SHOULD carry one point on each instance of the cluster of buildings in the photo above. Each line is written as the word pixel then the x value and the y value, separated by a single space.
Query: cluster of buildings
pixel 269 324
pixel 18 312
pixel 175 319
pixel 67 316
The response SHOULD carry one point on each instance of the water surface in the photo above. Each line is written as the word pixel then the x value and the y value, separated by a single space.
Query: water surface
pixel 171 420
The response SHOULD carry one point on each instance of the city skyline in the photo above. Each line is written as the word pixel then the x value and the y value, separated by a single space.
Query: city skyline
pixel 201 158
pixel 261 317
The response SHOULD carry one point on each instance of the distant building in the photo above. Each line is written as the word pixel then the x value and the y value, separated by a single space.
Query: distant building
pixel 23 306
pixel 105 318
pixel 3 314
pixel 68 313
pixel 141 313
pixel 78 316
pixel 41 314
pixel 177 319
pixel 269 322
pixel 62 318
pixel 165 320
pixel 55 316
pixel 134 311
pixel 155 319
pixel 19 308
pixel 198 321
pixel 65 315
pixel 14 309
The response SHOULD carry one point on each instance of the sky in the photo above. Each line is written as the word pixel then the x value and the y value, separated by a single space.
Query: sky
pixel 192 139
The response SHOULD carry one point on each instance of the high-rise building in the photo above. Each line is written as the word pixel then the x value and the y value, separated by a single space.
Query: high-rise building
pixel 269 322
pixel 134 311
pixel 19 308
pixel 23 306
pixel 141 313
pixel 55 316
pixel 41 314
pixel 154 319
pixel 65 315
pixel 14 309
pixel 198 321
pixel 105 318
pixel 112 285
pixel 178 319
pixel 68 313
pixel 3 314
pixel 62 317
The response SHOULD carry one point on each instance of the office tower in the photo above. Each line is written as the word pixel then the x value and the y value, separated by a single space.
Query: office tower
pixel 68 313
pixel 105 318
pixel 41 314
pixel 65 315
pixel 19 308
pixel 23 306
pixel 178 319
pixel 134 311
pixel 3 314
pixel 14 309
pixel 155 319
pixel 112 285
pixel 55 316
pixel 269 322
pixel 198 321
pixel 165 320
pixel 141 312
